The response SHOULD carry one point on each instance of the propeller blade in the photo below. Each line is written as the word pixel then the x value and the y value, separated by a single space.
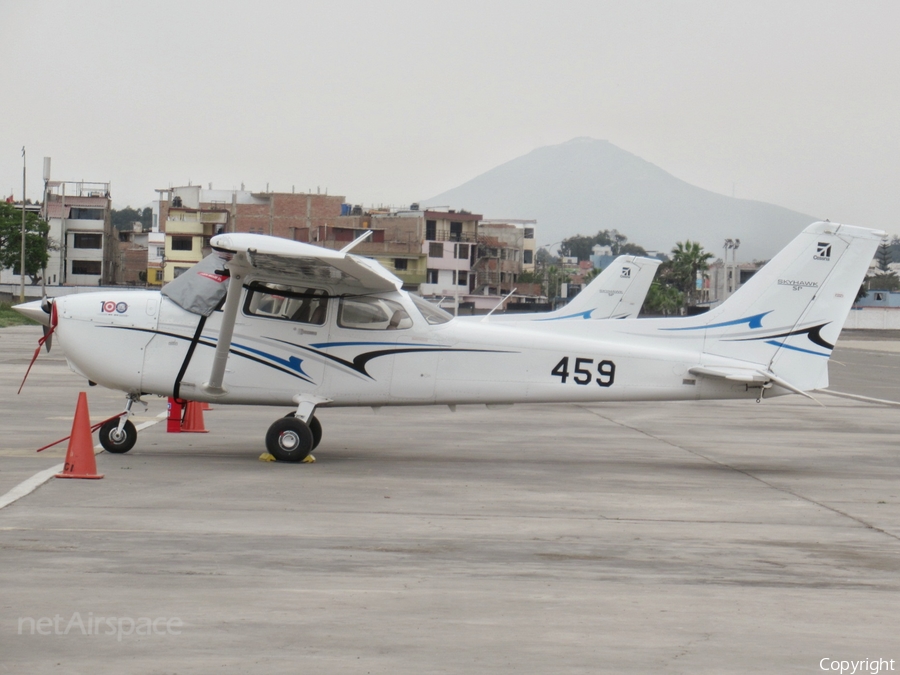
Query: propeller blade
pixel 48 337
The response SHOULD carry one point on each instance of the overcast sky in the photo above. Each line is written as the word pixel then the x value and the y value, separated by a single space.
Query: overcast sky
pixel 791 102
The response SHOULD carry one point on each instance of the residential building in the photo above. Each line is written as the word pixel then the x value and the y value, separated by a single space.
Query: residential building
pixel 724 278
pixel 450 244
pixel 84 248
pixel 190 216
pixel 500 256
pixel 133 255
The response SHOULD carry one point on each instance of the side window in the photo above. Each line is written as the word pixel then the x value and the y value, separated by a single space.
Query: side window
pixel 287 303
pixel 368 313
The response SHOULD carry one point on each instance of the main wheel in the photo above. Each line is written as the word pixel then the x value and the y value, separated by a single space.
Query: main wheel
pixel 289 440
pixel 315 426
pixel 114 441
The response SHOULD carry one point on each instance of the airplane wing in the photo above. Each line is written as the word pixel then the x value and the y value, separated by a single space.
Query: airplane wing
pixel 285 261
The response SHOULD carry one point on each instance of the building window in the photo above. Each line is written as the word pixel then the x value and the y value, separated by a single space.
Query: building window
pixel 432 276
pixel 179 271
pixel 85 214
pixel 400 263
pixel 182 243
pixel 86 267
pixel 462 279
pixel 160 251
pixel 430 230
pixel 435 250
pixel 83 240
pixel 462 251
pixel 455 231
pixel 528 256
pixel 879 297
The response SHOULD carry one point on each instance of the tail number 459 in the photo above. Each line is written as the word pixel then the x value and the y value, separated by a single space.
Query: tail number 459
pixel 584 371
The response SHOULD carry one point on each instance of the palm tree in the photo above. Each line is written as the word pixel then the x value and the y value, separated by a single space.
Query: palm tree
pixel 689 263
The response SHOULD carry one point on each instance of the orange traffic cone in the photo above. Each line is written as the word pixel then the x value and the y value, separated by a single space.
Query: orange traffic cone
pixel 80 461
pixel 193 419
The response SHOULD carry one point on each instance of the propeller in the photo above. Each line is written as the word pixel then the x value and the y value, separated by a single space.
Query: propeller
pixel 47 306
pixel 50 307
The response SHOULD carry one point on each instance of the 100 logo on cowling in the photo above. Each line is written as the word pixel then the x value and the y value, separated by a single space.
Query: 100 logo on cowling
pixel 110 307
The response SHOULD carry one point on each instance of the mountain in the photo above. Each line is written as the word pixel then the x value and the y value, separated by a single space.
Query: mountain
pixel 586 185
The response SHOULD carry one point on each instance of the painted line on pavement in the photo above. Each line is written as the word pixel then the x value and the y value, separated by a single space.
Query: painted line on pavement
pixel 29 485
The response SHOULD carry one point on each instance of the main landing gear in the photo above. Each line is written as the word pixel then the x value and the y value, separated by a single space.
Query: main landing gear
pixel 119 435
pixel 290 439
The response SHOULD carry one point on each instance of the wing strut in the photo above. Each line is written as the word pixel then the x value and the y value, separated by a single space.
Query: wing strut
pixel 229 315
pixel 349 247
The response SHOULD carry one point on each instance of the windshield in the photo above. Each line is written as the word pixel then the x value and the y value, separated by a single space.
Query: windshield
pixel 432 313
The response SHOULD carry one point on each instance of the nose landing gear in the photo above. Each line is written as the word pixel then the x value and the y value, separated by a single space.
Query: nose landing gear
pixel 119 435
pixel 115 440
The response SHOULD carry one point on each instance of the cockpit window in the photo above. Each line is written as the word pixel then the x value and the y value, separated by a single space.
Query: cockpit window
pixel 432 313
pixel 370 313
pixel 288 303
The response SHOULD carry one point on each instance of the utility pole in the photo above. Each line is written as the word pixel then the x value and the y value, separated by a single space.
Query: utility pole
pixel 22 259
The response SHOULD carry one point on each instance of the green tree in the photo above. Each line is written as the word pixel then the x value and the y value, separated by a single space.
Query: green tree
pixel 689 262
pixel 555 278
pixel 37 242
pixel 593 274
pixel 123 218
pixel 662 298
pixel 582 247
pixel 885 279
pixel 884 256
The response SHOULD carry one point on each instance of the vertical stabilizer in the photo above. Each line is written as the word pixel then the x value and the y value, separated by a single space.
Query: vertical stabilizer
pixel 786 319
pixel 618 292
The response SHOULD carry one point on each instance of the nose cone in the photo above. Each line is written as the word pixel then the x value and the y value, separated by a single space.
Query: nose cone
pixel 33 311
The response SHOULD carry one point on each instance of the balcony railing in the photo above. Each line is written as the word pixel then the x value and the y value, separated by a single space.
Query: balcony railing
pixel 444 234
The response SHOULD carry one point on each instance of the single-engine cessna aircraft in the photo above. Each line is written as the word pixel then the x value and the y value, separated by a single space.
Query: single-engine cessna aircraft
pixel 618 292
pixel 269 321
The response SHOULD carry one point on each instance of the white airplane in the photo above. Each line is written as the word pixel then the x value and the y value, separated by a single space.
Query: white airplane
pixel 268 321
pixel 618 292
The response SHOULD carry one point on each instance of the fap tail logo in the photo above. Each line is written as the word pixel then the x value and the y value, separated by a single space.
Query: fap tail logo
pixel 626 272
pixel 823 251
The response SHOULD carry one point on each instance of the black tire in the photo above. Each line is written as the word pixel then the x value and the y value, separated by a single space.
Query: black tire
pixel 315 426
pixel 118 445
pixel 289 440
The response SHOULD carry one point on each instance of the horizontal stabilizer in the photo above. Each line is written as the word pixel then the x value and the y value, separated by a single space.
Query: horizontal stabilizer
pixel 733 374
pixel 749 375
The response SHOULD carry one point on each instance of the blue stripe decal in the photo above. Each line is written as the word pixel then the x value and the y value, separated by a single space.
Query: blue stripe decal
pixel 796 349
pixel 325 345
pixel 293 362
pixel 584 315
pixel 754 321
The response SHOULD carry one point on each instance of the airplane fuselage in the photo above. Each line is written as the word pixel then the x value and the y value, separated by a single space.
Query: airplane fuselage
pixel 141 342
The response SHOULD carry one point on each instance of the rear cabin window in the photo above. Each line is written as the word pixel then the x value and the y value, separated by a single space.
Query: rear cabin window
pixel 287 303
pixel 368 313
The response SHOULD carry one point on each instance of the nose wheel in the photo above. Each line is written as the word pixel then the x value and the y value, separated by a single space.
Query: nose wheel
pixel 115 440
